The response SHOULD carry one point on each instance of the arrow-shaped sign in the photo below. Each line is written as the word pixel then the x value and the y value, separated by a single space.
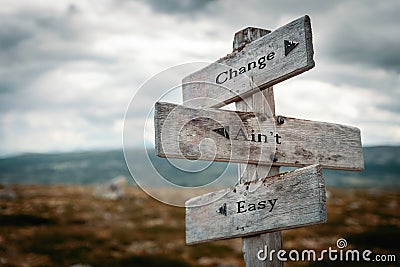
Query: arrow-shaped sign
pixel 253 138
pixel 280 55
pixel 285 201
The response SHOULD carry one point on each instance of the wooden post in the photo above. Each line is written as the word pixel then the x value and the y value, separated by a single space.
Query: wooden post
pixel 262 101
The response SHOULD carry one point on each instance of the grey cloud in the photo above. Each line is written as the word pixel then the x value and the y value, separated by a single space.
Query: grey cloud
pixel 392 106
pixel 294 7
pixel 30 46
pixel 73 9
pixel 382 55
pixel 12 34
pixel 44 21
pixel 366 35
pixel 178 6
pixel 357 48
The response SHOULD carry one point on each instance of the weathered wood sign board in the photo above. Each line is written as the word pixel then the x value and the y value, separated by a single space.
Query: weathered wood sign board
pixel 282 54
pixel 284 201
pixel 247 137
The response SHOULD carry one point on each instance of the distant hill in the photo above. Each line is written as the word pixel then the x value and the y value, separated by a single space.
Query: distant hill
pixel 63 168
pixel 382 169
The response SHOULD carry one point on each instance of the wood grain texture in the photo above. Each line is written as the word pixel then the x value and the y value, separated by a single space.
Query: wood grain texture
pixel 278 67
pixel 246 36
pixel 284 201
pixel 262 102
pixel 183 132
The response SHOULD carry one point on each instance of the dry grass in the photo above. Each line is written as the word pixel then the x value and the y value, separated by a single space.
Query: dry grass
pixel 66 225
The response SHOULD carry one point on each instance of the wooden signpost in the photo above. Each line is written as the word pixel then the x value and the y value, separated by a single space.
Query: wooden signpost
pixel 282 54
pixel 280 202
pixel 242 137
pixel 257 208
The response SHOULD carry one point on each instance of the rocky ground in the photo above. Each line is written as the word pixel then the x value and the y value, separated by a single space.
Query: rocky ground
pixel 69 226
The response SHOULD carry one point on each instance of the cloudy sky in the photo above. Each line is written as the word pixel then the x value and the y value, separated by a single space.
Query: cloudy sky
pixel 68 69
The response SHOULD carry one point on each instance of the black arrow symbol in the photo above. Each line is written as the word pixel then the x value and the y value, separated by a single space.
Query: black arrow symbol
pixel 224 131
pixel 222 210
pixel 289 46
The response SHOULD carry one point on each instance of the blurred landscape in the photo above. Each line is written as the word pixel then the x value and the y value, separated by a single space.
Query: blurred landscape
pixel 382 169
pixel 50 214
pixel 82 75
